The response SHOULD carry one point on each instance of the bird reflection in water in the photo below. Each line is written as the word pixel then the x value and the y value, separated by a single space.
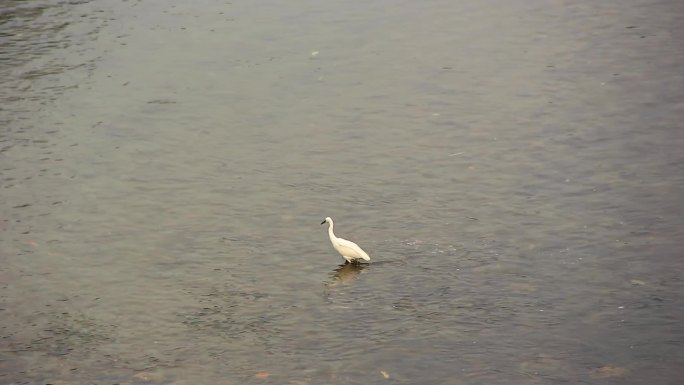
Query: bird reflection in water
pixel 345 274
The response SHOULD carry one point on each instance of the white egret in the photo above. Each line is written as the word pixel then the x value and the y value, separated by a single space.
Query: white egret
pixel 349 250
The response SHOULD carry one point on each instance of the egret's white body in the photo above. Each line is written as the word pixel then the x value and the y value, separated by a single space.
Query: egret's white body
pixel 349 250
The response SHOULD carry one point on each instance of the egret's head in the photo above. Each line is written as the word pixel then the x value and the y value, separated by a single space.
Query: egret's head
pixel 327 220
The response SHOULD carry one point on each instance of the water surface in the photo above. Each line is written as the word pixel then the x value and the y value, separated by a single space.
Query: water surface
pixel 514 169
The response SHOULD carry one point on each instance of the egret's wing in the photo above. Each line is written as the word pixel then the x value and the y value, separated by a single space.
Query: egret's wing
pixel 351 249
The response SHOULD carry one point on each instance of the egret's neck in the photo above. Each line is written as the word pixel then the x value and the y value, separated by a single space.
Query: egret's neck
pixel 330 231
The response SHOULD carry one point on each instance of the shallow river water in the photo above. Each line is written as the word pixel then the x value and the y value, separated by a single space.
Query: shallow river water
pixel 515 169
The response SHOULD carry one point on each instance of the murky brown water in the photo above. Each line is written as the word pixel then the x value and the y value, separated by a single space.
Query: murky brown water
pixel 515 169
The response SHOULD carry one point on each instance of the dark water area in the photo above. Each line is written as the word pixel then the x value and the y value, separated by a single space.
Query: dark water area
pixel 514 169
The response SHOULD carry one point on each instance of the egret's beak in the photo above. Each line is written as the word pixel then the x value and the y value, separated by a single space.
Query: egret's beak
pixel 323 221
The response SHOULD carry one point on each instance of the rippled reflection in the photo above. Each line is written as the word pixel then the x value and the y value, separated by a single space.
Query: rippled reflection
pixel 346 273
